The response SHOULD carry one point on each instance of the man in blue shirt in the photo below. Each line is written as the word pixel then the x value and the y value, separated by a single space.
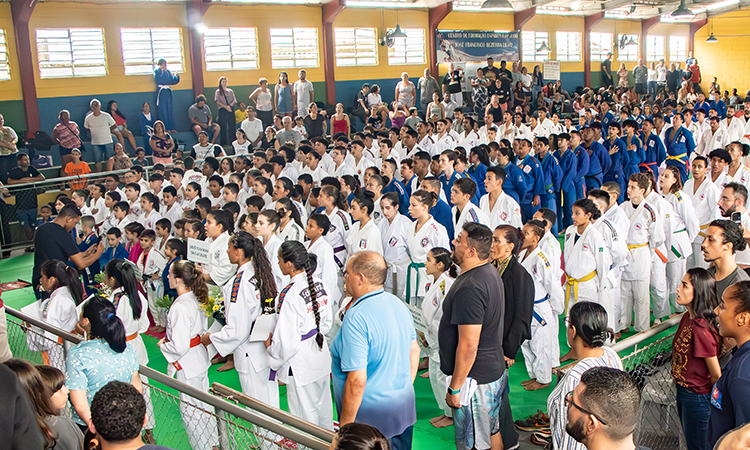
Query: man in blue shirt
pixel 599 160
pixel 566 196
pixel 617 154
pixel 375 355
pixel 532 173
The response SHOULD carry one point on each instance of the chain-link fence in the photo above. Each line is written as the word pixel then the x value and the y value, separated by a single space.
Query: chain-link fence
pixel 184 416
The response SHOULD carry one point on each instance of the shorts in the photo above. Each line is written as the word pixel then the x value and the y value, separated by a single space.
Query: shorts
pixel 65 151
pixel 103 152
pixel 476 423
pixel 119 128
pixel 27 217
pixel 640 88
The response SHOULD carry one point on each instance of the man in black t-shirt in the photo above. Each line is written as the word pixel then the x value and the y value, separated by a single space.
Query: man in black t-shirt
pixel 490 71
pixel 26 205
pixel 452 84
pixel 471 341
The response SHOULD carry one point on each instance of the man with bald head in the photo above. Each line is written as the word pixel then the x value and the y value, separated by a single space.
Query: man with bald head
pixel 375 355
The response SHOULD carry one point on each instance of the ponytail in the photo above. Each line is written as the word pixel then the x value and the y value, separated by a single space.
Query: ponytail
pixel 104 322
pixel 124 274
pixel 253 249
pixel 295 252
pixel 185 270
pixel 66 277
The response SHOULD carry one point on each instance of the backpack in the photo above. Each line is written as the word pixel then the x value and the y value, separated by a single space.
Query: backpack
pixel 42 141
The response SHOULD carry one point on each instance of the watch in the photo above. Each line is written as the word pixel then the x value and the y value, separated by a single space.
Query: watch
pixel 452 391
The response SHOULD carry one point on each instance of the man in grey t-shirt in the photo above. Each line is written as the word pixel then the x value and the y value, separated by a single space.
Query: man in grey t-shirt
pixel 288 135
pixel 640 73
pixel 201 119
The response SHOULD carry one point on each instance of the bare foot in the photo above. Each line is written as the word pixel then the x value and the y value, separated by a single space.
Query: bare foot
pixel 567 357
pixel 424 364
pixel 424 374
pixel 618 336
pixel 437 419
pixel 229 365
pixel 528 382
pixel 535 386
pixel 218 360
pixel 158 329
pixel 444 422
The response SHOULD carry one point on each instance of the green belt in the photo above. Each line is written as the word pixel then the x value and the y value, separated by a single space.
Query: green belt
pixel 416 267
pixel 674 250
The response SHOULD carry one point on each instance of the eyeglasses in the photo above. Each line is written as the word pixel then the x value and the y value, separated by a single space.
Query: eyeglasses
pixel 569 402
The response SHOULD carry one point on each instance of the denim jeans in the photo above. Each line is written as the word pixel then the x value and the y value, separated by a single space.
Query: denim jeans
pixel 403 440
pixel 694 410
pixel 652 87
pixel 103 152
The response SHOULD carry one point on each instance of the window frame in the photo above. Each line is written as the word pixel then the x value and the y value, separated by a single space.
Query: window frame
pixel 568 55
pixel 355 39
pixel 175 65
pixel 234 59
pixel 654 56
pixel 5 74
pixel 539 37
pixel 77 69
pixel 681 54
pixel 408 60
pixel 601 53
pixel 625 54
pixel 298 62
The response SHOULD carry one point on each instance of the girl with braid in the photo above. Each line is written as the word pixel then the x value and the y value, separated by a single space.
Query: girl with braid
pixel 247 295
pixel 297 348
pixel 187 358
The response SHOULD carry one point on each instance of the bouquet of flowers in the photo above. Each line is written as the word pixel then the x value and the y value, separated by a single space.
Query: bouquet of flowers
pixel 100 286
pixel 165 302
pixel 215 305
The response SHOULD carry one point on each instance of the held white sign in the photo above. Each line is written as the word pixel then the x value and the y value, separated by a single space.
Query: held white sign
pixel 198 251
pixel 551 70
pixel 416 314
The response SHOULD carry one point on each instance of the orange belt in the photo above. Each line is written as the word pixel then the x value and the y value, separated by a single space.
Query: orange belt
pixel 194 342
pixel 131 337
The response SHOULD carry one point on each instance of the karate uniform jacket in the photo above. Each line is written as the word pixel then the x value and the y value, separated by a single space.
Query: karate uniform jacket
pixel 185 321
pixel 704 203
pixel 471 213
pixel 504 211
pixel 685 226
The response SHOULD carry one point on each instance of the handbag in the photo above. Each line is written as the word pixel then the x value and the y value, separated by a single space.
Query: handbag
pixel 82 146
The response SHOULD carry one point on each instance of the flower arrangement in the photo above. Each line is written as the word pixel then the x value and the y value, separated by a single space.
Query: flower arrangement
pixel 165 302
pixel 215 305
pixel 100 286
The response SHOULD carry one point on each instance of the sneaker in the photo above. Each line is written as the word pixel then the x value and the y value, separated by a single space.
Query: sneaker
pixel 535 422
pixel 539 439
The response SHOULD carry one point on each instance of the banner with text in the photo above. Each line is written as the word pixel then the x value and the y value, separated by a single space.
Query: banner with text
pixel 477 46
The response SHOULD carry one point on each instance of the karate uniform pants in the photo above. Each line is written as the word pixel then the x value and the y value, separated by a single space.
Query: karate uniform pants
pixel 527 211
pixel 550 201
pixel 159 314
pixel 142 354
pixel 616 304
pixel 580 192
pixel 437 381
pixel 635 300
pixel 201 427
pixel 312 402
pixel 400 274
pixel 565 200
pixel 537 352
pixel 696 259
pixel 658 287
pixel 166 110
pixel 675 271
pixel 258 386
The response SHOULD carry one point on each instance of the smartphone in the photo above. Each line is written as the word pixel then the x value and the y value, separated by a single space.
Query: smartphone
pixel 737 217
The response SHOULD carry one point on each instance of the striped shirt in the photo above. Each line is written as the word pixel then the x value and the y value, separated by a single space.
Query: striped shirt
pixel 557 410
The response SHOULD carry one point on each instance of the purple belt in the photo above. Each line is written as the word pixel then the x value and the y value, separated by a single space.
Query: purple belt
pixel 310 334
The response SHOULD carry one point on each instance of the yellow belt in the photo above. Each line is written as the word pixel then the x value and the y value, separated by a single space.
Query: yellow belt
pixel 631 247
pixel 677 157
pixel 703 227
pixel 573 283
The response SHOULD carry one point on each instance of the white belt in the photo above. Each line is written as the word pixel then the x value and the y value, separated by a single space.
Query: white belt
pixel 158 93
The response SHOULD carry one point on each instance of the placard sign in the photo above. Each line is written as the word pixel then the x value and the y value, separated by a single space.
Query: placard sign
pixel 477 46
pixel 416 314
pixel 551 70
pixel 198 251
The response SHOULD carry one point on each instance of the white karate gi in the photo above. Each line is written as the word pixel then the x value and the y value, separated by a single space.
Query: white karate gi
pixel 295 355
pixel 432 312
pixel 658 285
pixel 471 213
pixel 272 252
pixel 445 142
pixel 291 232
pixel 186 322
pixel 366 238
pixel 504 211
pixel 709 142
pixel 419 243
pixel 706 210
pixel 742 176
pixel 393 235
pixel 341 223
pixel 250 358
pixel 644 235
pixel 340 171
pixel 539 351
pixel 468 140
pixel 220 269
pixel 327 269
pixel 685 228
pixel 721 181
pixel 149 220
pixel 59 310
pixel 360 167
pixel 735 129
pixel 587 266
pixel 614 237
pixel 153 263
pixel 173 214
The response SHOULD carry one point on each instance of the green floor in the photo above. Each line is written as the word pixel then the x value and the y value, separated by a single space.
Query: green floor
pixel 426 437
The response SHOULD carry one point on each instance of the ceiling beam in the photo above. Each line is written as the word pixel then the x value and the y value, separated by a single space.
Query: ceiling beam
pixel 694 27
pixel 614 4
pixel 729 8
pixel 588 24
pixel 435 16
pixel 330 11
pixel 520 18
pixel 21 11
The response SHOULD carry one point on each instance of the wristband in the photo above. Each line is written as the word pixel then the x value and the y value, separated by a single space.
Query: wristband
pixel 453 392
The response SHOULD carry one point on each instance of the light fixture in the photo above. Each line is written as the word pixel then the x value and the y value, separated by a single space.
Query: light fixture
pixel 397 33
pixel 491 4
pixel 544 47
pixel 201 27
pixel 631 41
pixel 712 39
pixel 682 10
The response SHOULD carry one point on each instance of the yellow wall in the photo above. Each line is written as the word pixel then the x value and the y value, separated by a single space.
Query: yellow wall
pixel 10 89
pixel 263 18
pixel 111 18
pixel 729 58
pixel 371 18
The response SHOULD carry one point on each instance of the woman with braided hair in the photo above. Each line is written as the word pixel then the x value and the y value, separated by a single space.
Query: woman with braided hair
pixel 297 349
pixel 247 295
pixel 187 358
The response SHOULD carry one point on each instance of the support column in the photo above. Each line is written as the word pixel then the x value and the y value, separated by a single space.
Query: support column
pixel 21 11
pixel 646 25
pixel 436 15
pixel 520 18
pixel 588 24
pixel 331 10
pixel 694 27
pixel 196 9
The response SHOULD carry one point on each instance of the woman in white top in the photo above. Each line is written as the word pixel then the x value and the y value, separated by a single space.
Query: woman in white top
pixel 263 103
pixel 439 266
pixel 587 332
pixel 131 308
pixel 226 168
pixel 335 206
pixel 219 270
pixel 548 300
pixel 290 223
pixel 266 227
pixel 250 294
pixel 297 349
pixel 424 234
pixel 394 229
pixel 241 145
pixel 364 234
pixel 373 98
pixel 685 228
pixel 652 77
pixel 314 168
pixel 186 357
pixel 149 211
pixel 59 310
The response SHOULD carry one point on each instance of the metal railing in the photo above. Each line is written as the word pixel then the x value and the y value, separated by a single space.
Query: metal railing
pixel 220 421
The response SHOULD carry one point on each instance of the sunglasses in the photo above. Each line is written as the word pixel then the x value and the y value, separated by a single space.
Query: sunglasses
pixel 569 401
